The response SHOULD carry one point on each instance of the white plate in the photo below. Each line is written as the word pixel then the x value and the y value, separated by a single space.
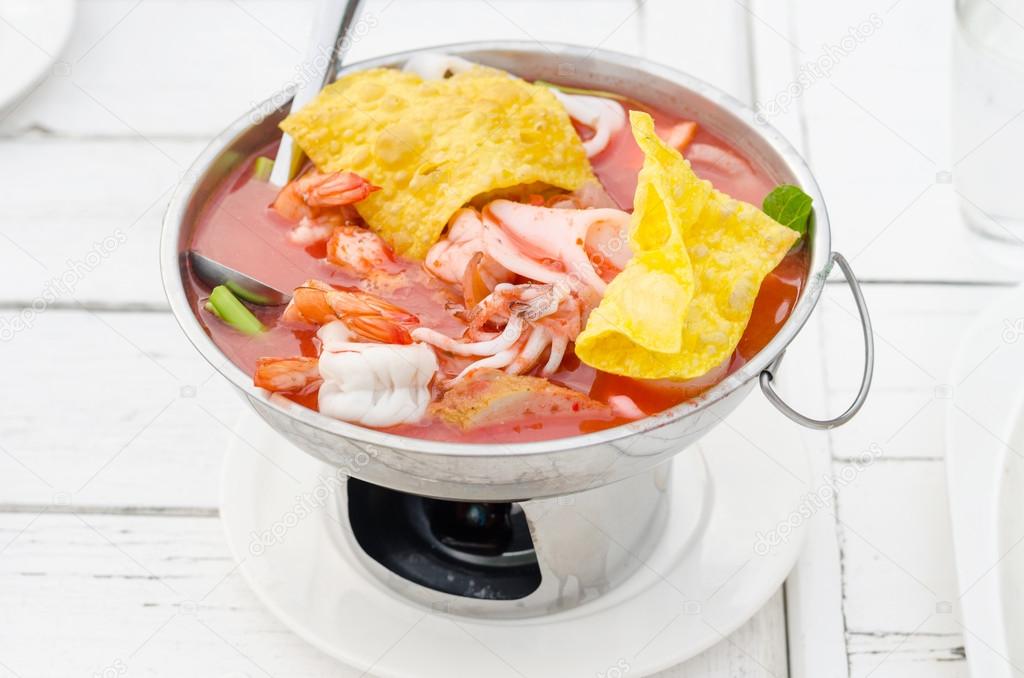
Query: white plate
pixel 32 34
pixel 675 608
pixel 985 479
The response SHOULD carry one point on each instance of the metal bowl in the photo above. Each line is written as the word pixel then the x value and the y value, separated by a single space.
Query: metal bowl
pixel 516 471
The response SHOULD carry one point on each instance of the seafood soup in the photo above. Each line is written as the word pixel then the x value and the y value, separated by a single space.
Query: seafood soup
pixel 477 258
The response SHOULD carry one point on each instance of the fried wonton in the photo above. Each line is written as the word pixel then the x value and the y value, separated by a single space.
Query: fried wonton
pixel 434 145
pixel 683 301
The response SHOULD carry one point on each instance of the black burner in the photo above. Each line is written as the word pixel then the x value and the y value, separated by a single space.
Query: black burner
pixel 471 549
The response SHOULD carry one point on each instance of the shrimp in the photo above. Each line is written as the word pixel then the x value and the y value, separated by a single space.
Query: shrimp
pixel 287 375
pixel 367 315
pixel 357 250
pixel 310 193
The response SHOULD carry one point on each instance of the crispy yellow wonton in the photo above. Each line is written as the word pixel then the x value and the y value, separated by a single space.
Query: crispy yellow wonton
pixel 432 146
pixel 680 306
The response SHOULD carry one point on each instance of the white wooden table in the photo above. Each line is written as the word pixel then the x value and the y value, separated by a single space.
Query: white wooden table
pixel 112 428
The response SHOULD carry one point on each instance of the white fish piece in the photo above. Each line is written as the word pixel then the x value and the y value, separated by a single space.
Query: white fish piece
pixel 604 116
pixel 373 384
pixel 436 66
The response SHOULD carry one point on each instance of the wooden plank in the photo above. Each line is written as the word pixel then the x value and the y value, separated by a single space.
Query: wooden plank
pixel 239 53
pixel 136 595
pixel 234 54
pixel 885 655
pixel 898 570
pixel 608 24
pixel 95 93
pixel 817 645
pixel 774 60
pixel 97 243
pixel 916 334
pixel 758 648
pixel 882 157
pixel 142 419
pixel 707 40
pixel 174 604
pixel 917 331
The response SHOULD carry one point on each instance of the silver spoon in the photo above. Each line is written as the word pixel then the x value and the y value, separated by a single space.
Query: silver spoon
pixel 334 21
pixel 243 286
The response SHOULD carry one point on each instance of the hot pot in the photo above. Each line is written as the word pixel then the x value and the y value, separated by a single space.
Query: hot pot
pixel 533 470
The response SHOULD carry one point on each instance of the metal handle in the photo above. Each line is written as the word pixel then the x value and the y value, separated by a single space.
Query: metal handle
pixel 768 375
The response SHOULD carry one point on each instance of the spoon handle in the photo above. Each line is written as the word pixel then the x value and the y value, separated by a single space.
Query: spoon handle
pixel 326 53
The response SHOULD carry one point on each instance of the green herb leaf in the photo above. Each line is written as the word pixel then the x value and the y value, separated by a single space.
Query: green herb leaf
pixel 789 206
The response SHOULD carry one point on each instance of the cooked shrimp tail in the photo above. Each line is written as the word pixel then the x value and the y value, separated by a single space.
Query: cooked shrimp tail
pixel 287 375
pixel 334 190
pixel 367 315
pixel 308 194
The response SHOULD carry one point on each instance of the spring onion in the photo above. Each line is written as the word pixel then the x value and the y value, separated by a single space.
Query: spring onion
pixel 262 168
pixel 227 307
pixel 245 294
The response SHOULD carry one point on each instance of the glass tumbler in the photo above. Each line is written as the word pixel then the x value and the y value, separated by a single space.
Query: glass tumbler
pixel 988 118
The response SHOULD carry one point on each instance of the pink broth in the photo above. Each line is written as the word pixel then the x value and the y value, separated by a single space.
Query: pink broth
pixel 238 228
